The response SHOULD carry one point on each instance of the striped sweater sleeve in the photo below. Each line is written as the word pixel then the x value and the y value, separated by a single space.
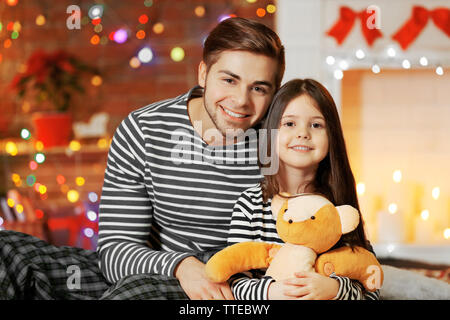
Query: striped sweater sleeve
pixel 125 212
pixel 353 290
pixel 249 285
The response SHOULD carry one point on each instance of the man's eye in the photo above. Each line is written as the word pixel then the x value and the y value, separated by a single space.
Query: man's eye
pixel 228 80
pixel 260 90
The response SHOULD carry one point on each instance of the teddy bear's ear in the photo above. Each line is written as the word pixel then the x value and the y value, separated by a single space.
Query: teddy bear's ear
pixel 349 218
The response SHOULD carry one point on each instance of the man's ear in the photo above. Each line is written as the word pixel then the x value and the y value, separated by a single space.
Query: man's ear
pixel 349 218
pixel 202 74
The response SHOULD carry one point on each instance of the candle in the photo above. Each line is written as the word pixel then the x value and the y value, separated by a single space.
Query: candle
pixel 391 225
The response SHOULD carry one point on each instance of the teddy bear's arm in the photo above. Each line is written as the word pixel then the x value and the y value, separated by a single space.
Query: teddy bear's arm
pixel 359 264
pixel 239 257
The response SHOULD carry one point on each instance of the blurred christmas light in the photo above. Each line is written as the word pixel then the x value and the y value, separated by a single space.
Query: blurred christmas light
pixel 391 52
pixel 199 11
pixel 145 55
pixel 406 64
pixel 80 181
pixel 361 188
pixel 25 134
pixel 14 35
pixel 439 71
pixel 423 61
pixel 143 19
pixel 93 197
pixel 1 221
pixel 64 188
pixel 42 189
pixel 17 26
pixel 40 20
pixel 31 180
pixel 7 43
pixel 435 193
pixel 158 28
pixel 11 148
pixel 10 202
pixel 392 208
pixel 251 1
pixel 271 8
pixel 95 39
pixel 88 232
pixel 140 34
pixel 260 12
pixel 223 17
pixel 397 176
pixel 73 196
pixel 26 107
pixel 360 54
pixel 12 2
pixel 91 215
pixel 60 179
pixel 98 28
pixel 74 145
pixel 425 214
pixel 19 208
pixel 343 64
pixel 95 12
pixel 96 80
pixel 102 142
pixel 39 145
pixel 338 74
pixel 15 177
pixel 39 213
pixel 10 26
pixel 39 157
pixel 120 36
pixel 33 165
pixel 330 60
pixel 148 3
pixel 135 63
pixel 177 54
pixel 376 68
pixel 447 233
pixel 36 186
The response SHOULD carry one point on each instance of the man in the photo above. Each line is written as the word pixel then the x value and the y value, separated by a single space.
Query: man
pixel 161 215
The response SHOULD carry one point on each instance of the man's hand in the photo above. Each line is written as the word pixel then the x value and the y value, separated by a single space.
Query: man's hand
pixel 191 274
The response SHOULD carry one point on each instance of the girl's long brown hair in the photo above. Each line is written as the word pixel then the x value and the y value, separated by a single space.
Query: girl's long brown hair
pixel 334 178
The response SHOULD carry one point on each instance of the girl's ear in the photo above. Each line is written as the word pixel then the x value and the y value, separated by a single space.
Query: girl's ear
pixel 202 74
pixel 349 218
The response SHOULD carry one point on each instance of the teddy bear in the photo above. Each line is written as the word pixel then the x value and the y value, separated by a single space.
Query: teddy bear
pixel 309 225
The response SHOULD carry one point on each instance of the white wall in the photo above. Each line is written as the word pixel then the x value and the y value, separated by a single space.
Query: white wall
pixel 302 24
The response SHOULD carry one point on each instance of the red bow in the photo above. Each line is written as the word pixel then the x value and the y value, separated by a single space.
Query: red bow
pixel 419 19
pixel 344 25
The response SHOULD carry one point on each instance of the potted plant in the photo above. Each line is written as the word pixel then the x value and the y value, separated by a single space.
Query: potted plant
pixel 51 80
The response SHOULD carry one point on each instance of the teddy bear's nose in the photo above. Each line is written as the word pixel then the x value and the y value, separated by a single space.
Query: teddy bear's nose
pixel 290 221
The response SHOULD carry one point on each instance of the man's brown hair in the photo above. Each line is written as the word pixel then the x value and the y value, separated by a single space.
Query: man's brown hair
pixel 244 35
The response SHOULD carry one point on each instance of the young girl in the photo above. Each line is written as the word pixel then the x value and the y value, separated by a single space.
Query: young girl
pixel 312 158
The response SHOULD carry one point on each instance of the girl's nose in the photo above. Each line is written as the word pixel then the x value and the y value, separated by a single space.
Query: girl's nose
pixel 303 133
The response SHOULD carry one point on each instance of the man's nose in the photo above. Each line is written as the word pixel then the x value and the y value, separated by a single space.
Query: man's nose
pixel 241 97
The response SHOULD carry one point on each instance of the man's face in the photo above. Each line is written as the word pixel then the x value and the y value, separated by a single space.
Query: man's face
pixel 239 87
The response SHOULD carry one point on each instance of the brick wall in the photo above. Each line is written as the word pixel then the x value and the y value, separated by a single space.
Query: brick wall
pixel 123 88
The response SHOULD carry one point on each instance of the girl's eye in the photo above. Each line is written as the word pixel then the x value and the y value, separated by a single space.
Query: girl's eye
pixel 289 124
pixel 316 125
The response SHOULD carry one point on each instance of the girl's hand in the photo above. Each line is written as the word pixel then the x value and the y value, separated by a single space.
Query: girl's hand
pixel 311 286
pixel 191 274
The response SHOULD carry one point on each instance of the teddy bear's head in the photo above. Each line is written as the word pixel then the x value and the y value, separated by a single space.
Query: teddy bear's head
pixel 313 221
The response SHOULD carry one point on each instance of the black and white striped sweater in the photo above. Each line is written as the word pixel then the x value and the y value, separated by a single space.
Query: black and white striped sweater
pixel 166 193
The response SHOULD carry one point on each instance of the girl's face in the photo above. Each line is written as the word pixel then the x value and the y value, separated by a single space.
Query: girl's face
pixel 302 138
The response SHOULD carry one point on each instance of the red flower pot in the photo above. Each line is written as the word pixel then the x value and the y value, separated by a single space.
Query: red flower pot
pixel 53 129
